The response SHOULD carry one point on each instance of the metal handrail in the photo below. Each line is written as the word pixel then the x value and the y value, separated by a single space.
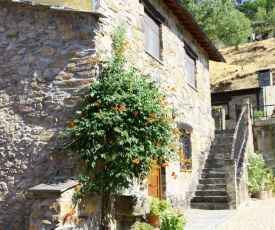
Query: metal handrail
pixel 239 137
pixel 262 108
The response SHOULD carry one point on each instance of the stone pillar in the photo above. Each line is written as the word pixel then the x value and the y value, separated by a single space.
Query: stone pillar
pixel 130 209
pixel 231 182
pixel 218 115
pixel 52 206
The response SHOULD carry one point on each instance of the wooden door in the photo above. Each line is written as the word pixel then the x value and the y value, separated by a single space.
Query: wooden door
pixel 155 186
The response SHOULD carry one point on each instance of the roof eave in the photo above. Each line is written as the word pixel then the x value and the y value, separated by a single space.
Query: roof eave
pixel 189 22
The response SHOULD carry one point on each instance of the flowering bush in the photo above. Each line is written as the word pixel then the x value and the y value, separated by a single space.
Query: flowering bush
pixel 124 126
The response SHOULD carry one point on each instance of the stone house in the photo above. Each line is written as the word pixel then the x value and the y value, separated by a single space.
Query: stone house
pixel 260 94
pixel 46 49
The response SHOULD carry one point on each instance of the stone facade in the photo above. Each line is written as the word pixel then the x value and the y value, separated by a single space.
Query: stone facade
pixel 170 71
pixel 46 61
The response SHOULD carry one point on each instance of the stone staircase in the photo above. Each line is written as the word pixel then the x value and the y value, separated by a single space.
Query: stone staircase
pixel 211 191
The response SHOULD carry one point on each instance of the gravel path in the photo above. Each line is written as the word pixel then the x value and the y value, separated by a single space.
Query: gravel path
pixel 256 215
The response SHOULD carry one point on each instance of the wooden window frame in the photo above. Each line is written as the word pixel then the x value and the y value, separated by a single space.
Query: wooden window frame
pixel 152 36
pixel 191 55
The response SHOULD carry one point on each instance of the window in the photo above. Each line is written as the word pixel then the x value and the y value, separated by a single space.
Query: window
pixel 190 65
pixel 152 36
pixel 185 139
pixel 190 68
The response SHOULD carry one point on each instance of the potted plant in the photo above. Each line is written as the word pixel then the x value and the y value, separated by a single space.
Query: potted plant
pixel 256 176
pixel 144 226
pixel 269 183
pixel 158 208
pixel 173 220
pixel 154 214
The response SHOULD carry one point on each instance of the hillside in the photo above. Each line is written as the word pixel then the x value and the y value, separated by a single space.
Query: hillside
pixel 242 65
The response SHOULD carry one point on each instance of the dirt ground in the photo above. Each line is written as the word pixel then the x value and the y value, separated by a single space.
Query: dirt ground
pixel 257 215
pixel 242 65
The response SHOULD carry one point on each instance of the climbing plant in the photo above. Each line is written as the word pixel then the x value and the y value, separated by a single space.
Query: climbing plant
pixel 124 127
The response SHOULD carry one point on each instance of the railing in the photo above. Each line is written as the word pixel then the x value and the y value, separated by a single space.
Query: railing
pixel 239 137
pixel 262 111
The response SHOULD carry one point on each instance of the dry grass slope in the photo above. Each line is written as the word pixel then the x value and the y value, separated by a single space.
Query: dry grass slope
pixel 240 71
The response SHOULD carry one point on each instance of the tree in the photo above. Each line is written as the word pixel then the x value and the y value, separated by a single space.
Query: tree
pixel 220 20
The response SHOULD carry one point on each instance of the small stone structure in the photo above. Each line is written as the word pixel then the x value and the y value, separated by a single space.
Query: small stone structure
pixel 130 209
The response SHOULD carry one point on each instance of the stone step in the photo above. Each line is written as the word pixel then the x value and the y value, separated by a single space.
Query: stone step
pixel 220 149
pixel 213 170
pixel 219 155
pixel 220 187
pixel 212 181
pixel 222 141
pixel 213 165
pixel 209 199
pixel 213 175
pixel 208 193
pixel 226 131
pixel 210 206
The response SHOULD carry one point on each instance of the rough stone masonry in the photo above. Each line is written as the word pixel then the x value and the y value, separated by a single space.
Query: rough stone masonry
pixel 45 56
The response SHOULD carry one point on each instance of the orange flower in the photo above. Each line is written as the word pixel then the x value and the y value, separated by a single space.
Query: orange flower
pixel 149 121
pixel 96 103
pixel 136 113
pixel 124 43
pixel 176 131
pixel 76 187
pixel 153 115
pixel 173 145
pixel 121 50
pixel 165 164
pixel 136 161
pixel 121 108
pixel 174 175
pixel 184 168
pixel 85 81
pixel 174 89
pixel 183 161
pixel 161 98
pixel 163 104
pixel 181 154
pixel 70 213
pixel 187 132
pixel 95 59
pixel 71 124
pixel 152 186
pixel 158 144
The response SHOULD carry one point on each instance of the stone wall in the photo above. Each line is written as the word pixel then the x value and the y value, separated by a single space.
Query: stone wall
pixel 45 60
pixel 171 73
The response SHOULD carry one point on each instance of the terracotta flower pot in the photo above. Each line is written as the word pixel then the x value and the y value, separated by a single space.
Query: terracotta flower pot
pixel 262 195
pixel 153 221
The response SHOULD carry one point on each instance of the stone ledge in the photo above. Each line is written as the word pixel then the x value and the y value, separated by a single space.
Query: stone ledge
pixel 57 186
